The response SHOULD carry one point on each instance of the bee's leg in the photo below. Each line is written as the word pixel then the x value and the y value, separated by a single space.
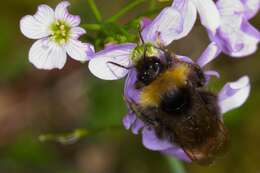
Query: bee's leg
pixel 140 114
pixel 170 58
pixel 190 154
pixel 133 106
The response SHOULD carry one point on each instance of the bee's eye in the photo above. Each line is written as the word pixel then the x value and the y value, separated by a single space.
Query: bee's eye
pixel 157 67
pixel 149 70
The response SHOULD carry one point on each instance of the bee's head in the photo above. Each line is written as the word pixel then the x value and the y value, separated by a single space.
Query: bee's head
pixel 147 70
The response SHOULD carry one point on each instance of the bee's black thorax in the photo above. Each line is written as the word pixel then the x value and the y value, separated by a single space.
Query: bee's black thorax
pixel 176 101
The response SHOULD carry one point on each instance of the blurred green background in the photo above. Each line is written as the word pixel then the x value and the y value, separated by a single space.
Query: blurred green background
pixel 34 102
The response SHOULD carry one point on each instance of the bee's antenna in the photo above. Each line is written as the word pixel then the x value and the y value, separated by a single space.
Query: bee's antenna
pixel 140 29
pixel 145 50
pixel 142 39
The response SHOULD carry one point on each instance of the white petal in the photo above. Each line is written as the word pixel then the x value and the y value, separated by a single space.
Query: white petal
pixel 76 32
pixel 165 28
pixel 189 15
pixel 79 51
pixel 47 55
pixel 209 54
pixel 209 14
pixel 234 94
pixel 62 13
pixel 120 54
pixel 228 7
pixel 37 26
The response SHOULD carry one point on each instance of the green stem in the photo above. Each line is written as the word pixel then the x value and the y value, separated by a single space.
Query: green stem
pixel 76 135
pixel 95 10
pixel 126 9
pixel 176 166
pixel 92 26
pixel 65 139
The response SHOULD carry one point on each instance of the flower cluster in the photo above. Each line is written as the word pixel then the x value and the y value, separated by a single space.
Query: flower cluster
pixel 227 24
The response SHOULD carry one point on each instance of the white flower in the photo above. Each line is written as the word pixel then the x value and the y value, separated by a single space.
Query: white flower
pixel 57 34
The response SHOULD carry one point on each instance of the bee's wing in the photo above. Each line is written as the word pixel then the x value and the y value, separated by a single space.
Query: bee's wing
pixel 112 63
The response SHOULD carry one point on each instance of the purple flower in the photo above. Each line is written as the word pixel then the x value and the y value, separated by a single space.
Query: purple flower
pixel 233 95
pixel 236 36
pixel 171 24
pixel 176 21
pixel 57 33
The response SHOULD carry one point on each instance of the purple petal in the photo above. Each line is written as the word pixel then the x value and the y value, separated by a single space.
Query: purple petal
pixel 209 14
pixel 76 32
pixel 128 120
pixel 145 22
pixel 251 7
pixel 209 54
pixel 239 39
pixel 234 94
pixel 110 45
pixel 137 126
pixel 165 28
pixel 130 92
pixel 211 73
pixel 185 59
pixel 237 43
pixel 150 141
pixel 189 15
pixel 178 153
pixel 226 41
pixel 250 30
pixel 100 67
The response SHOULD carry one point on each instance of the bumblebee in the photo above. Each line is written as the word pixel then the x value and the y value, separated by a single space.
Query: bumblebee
pixel 174 102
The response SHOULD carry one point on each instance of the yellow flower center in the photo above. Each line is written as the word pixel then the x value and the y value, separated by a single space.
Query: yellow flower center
pixel 60 32
pixel 138 52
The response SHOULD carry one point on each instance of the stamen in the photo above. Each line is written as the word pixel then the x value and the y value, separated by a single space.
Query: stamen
pixel 60 32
